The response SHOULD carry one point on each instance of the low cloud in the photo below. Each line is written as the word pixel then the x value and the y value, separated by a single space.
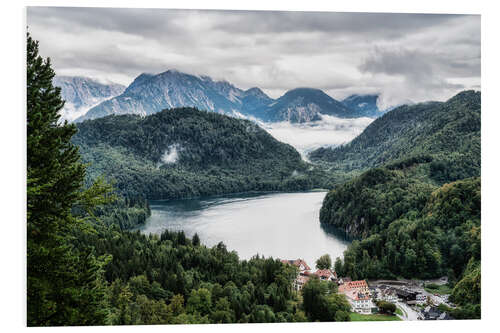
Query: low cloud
pixel 327 132
pixel 171 154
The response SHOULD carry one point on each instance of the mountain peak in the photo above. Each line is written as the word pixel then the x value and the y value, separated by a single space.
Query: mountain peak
pixel 304 90
pixel 81 93
pixel 364 104
pixel 139 81
pixel 255 91
pixel 306 104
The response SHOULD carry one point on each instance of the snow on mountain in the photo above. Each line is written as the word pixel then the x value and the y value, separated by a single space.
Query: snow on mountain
pixel 82 93
pixel 151 93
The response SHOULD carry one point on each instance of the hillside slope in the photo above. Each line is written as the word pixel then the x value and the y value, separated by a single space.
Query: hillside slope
pixel 405 227
pixel 185 152
pixel 447 135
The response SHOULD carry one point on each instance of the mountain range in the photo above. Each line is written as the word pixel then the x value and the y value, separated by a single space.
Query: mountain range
pixel 82 93
pixel 151 93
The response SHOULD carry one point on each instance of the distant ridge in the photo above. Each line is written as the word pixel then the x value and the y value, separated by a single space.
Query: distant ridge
pixel 151 93
pixel 82 93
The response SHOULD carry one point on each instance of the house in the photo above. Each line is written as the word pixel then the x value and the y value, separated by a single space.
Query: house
pixel 326 275
pixel 388 295
pixel 405 295
pixel 300 281
pixel 445 316
pixel 360 302
pixel 303 275
pixel 421 299
pixel 358 295
pixel 299 263
pixel 343 280
pixel 360 286
pixel 431 313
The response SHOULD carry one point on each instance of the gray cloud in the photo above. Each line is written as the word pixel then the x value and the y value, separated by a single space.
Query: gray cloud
pixel 403 56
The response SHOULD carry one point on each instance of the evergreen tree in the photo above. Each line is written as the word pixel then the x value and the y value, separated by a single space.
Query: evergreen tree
pixel 196 239
pixel 324 262
pixel 338 267
pixel 64 285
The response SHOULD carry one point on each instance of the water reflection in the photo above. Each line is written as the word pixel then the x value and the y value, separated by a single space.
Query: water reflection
pixel 284 225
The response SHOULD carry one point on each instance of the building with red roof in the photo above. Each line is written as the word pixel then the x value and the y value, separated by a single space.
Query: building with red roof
pixel 358 295
pixel 326 275
pixel 299 263
pixel 360 286
pixel 304 272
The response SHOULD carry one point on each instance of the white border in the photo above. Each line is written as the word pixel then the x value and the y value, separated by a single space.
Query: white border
pixel 13 242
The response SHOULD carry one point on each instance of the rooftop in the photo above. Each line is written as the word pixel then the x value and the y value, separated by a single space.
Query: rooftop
pixel 298 262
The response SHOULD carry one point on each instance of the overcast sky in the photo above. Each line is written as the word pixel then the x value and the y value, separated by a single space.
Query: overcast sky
pixel 414 57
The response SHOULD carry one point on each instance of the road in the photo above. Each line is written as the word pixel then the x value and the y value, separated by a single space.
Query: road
pixel 408 313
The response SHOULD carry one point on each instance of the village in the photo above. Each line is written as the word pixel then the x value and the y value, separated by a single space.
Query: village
pixel 410 297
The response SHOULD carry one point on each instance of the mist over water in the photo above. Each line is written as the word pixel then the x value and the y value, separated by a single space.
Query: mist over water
pixel 281 225
pixel 327 132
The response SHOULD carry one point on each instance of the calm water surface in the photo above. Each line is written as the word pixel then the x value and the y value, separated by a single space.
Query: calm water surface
pixel 281 225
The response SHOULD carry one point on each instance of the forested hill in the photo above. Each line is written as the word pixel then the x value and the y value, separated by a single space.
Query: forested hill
pixel 185 152
pixel 447 135
pixel 416 208
pixel 409 231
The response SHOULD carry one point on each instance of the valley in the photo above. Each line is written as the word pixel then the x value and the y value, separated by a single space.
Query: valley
pixel 403 167
pixel 337 177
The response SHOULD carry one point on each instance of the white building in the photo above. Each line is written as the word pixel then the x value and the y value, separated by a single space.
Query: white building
pixel 421 299
pixel 360 302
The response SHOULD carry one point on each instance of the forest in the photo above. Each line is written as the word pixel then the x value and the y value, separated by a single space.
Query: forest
pixel 414 205
pixel 83 265
pixel 434 237
pixel 407 229
pixel 408 189
pixel 181 153
pixel 445 137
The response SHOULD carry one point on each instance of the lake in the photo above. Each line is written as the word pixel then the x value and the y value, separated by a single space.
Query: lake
pixel 281 225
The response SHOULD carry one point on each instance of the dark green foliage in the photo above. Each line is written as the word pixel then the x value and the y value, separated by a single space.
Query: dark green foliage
pixel 468 289
pixel 196 240
pixel 322 303
pixel 338 267
pixel 85 269
pixel 324 262
pixel 406 163
pixel 407 227
pixel 126 213
pixel 369 203
pixel 64 284
pixel 216 155
pixel 444 138
pixel 386 307
pixel 155 273
pixel 442 235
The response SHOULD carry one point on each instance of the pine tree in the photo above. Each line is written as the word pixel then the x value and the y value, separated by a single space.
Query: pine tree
pixel 64 285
